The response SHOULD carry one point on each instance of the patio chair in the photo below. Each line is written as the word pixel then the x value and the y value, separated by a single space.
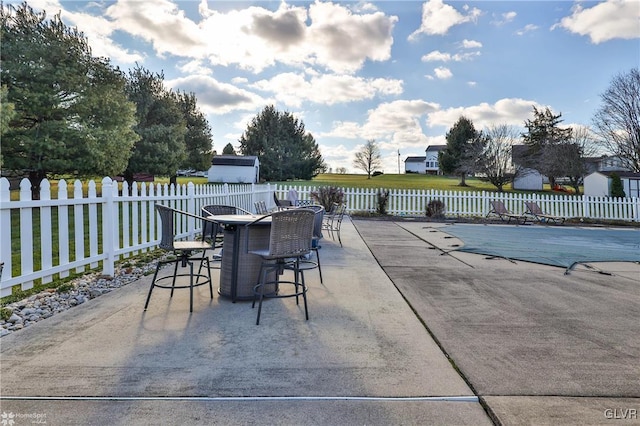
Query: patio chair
pixel 499 209
pixel 261 207
pixel 307 263
pixel 290 237
pixel 281 203
pixel 534 210
pixel 183 257
pixel 213 231
pixel 333 220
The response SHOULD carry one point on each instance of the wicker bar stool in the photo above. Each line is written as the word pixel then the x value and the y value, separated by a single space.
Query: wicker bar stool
pixel 290 237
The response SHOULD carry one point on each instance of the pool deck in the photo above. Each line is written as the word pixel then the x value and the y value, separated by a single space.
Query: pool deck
pixel 403 331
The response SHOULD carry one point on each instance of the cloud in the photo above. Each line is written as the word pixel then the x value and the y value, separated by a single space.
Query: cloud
pixel 605 21
pixel 505 18
pixel 471 44
pixel 512 111
pixel 443 73
pixel 438 18
pixel 437 56
pixel 215 97
pixel 293 89
pixel 327 35
pixel 161 23
pixel 396 122
pixel 526 29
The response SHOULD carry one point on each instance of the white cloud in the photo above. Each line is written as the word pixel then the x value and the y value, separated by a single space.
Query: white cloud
pixel 293 89
pixel 605 21
pixel 512 111
pixel 443 73
pixel 438 18
pixel 526 29
pixel 505 18
pixel 471 44
pixel 215 97
pixel 437 56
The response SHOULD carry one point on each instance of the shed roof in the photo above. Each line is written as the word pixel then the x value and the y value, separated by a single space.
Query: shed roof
pixel 415 159
pixel 234 160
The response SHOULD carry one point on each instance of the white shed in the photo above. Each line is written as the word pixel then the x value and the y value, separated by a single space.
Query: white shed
pixel 598 184
pixel 528 179
pixel 234 169
pixel 414 165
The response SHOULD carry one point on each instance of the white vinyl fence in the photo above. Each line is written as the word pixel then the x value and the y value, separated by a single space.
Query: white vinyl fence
pixel 62 234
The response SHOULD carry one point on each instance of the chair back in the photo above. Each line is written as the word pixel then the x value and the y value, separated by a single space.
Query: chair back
pixel 167 226
pixel 499 207
pixel 291 232
pixel 318 218
pixel 261 207
pixel 533 207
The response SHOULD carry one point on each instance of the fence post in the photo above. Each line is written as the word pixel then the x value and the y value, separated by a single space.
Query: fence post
pixel 191 208
pixel 108 228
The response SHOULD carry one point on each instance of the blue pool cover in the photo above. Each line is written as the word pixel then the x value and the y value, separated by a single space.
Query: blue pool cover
pixel 550 245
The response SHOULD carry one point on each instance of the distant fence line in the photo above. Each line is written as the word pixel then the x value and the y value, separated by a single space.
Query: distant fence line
pixel 61 234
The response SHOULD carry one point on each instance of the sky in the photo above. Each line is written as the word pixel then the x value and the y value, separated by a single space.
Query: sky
pixel 398 72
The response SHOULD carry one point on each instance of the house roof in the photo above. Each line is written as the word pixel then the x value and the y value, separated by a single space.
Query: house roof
pixel 435 147
pixel 415 159
pixel 620 173
pixel 234 160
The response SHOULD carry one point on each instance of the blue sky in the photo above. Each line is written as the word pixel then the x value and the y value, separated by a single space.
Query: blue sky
pixel 399 72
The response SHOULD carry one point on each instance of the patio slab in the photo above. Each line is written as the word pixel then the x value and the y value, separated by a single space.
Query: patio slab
pixel 362 358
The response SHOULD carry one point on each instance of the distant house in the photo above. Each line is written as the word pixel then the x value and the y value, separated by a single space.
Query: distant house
pixel 414 165
pixel 427 164
pixel 598 184
pixel 234 169
pixel 431 161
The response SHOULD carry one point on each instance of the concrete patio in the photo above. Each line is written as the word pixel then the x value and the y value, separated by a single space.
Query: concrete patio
pixel 398 334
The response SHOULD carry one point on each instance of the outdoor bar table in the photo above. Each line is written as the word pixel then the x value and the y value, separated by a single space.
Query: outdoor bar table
pixel 240 269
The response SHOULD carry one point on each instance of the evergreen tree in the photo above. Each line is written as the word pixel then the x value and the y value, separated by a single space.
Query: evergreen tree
pixel 454 159
pixel 542 137
pixel 228 150
pixel 71 113
pixel 616 186
pixel 198 140
pixel 161 126
pixel 284 148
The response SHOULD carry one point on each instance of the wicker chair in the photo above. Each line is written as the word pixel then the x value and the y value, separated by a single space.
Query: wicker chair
pixel 290 238
pixel 213 231
pixel 309 263
pixel 182 251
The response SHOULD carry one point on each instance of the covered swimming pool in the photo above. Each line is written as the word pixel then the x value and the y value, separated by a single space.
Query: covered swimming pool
pixel 557 246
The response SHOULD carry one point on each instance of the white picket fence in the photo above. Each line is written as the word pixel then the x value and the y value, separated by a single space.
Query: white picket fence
pixel 59 235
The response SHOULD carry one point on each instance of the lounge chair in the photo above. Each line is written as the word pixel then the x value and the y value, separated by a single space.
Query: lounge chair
pixel 499 209
pixel 534 210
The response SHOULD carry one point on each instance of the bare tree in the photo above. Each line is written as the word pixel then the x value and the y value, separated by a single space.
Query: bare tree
pixel 617 121
pixel 494 159
pixel 368 158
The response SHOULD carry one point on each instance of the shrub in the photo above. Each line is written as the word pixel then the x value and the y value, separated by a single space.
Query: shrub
pixel 377 173
pixel 616 186
pixel 383 200
pixel 435 209
pixel 327 195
